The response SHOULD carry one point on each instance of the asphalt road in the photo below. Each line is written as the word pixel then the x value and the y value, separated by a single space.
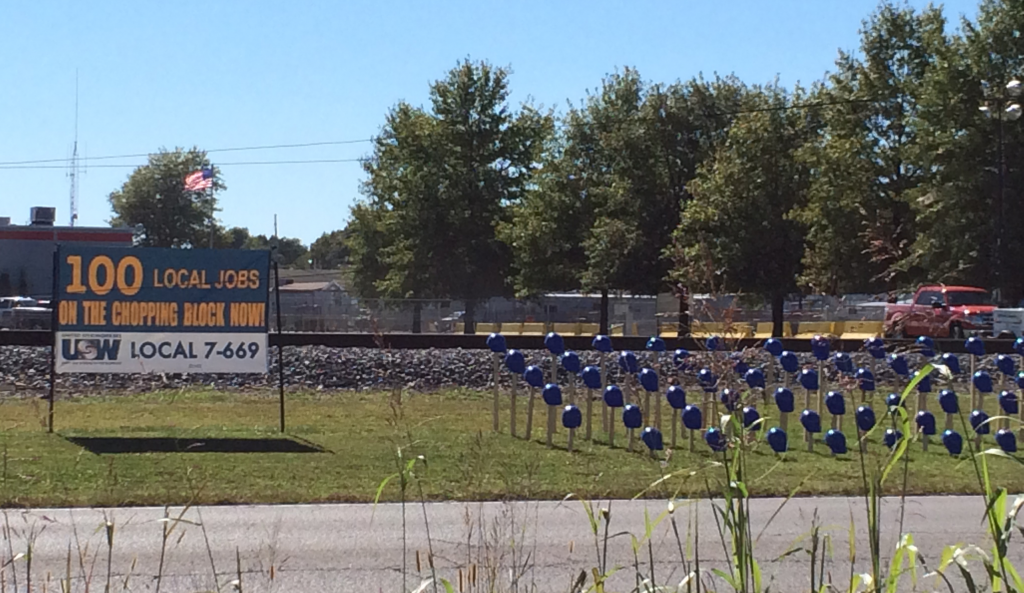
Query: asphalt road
pixel 543 546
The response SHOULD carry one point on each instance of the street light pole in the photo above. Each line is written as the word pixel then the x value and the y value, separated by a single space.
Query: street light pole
pixel 1005 108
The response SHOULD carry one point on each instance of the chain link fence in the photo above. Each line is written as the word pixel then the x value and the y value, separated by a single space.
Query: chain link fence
pixel 331 309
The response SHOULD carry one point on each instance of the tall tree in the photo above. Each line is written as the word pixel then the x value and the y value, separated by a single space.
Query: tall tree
pixel 233 238
pixel 291 251
pixel 330 251
pixel 738 233
pixel 441 182
pixel 607 198
pixel 155 198
pixel 971 216
pixel 869 164
pixel 366 242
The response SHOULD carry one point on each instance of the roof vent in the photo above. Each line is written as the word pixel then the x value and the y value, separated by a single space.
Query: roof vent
pixel 43 216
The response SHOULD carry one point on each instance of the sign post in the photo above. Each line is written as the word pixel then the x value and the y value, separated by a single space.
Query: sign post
pixel 280 346
pixel 54 320
pixel 149 310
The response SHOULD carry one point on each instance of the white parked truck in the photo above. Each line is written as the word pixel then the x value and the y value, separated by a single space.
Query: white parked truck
pixel 1008 323
pixel 24 313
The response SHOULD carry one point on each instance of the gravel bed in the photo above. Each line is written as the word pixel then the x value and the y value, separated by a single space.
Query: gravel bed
pixel 26 370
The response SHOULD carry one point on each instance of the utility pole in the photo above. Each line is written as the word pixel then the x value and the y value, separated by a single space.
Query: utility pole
pixel 1002 107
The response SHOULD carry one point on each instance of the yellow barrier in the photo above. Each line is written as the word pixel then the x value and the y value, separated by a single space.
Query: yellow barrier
pixel 566 329
pixel 809 329
pixel 488 328
pixel 533 329
pixel 704 329
pixel 849 330
pixel 859 330
pixel 764 330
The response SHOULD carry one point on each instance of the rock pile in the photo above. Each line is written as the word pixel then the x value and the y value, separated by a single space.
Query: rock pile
pixel 315 367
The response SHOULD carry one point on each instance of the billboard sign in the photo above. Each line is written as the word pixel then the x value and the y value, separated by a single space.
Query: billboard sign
pixel 148 310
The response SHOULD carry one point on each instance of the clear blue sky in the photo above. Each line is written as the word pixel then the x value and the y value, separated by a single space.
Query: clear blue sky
pixel 222 74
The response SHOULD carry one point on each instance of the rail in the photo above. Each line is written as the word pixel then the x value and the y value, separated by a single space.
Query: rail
pixel 409 341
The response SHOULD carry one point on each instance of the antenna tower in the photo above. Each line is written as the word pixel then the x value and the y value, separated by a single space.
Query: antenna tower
pixel 73 167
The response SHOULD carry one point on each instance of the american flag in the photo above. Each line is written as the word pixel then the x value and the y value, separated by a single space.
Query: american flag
pixel 200 180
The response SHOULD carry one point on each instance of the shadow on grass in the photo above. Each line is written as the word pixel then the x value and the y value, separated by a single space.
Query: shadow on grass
pixel 117 445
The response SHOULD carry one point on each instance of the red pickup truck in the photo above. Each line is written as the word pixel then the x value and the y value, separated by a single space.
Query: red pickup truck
pixel 941 312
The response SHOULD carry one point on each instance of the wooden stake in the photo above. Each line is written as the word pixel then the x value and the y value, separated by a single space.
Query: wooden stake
pixel 705 412
pixel 529 413
pixel 784 420
pixel 970 380
pixel 1020 407
pixel 630 446
pixel 590 408
pixel 611 428
pixel 675 423
pixel 572 433
pixel 821 387
pixel 1005 422
pixel 512 405
pixel 807 406
pixel 647 408
pixel 692 439
pixel 657 410
pixel 871 367
pixel 497 392
pixel 551 426
pixel 810 441
pixel 604 384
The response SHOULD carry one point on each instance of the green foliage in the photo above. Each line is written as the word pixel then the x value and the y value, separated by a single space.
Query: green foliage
pixel 871 159
pixel 331 250
pixel 291 251
pixel 366 242
pixel 883 175
pixel 960 214
pixel 155 198
pixel 607 198
pixel 233 238
pixel 439 183
pixel 738 232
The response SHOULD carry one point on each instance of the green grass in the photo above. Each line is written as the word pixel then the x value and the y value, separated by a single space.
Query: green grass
pixel 360 431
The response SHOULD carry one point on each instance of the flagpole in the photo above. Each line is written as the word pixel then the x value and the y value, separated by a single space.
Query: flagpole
pixel 209 196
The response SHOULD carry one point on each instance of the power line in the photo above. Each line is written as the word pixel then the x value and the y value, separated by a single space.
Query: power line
pixel 40 163
pixel 236 149
pixel 4 167
pixel 799 106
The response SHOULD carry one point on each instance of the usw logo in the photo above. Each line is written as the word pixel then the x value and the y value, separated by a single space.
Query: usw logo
pixel 89 349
